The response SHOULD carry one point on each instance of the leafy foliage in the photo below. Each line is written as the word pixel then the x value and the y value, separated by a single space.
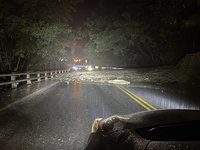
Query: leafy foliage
pixel 143 32
pixel 30 32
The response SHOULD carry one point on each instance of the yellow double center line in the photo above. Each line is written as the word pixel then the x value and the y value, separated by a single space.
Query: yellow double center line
pixel 139 100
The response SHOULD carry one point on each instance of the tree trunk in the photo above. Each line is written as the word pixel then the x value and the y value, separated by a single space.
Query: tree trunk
pixel 17 66
pixel 1 63
pixel 23 65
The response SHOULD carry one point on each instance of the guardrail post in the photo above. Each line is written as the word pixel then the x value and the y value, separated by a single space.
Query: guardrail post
pixel 14 81
pixel 28 78
pixel 51 75
pixel 45 74
pixel 38 75
pixel 14 85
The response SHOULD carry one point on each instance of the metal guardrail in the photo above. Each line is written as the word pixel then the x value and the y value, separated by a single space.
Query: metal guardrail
pixel 15 77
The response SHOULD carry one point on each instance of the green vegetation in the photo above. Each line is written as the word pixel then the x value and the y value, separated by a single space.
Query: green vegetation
pixel 35 35
pixel 31 33
pixel 143 32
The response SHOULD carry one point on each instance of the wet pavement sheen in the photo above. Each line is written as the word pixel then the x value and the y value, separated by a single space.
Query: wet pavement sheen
pixel 53 115
pixel 60 117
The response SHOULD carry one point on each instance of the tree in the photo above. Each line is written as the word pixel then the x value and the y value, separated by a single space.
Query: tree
pixel 143 32
pixel 32 28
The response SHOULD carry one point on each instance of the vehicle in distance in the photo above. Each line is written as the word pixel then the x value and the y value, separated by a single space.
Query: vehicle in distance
pixel 78 64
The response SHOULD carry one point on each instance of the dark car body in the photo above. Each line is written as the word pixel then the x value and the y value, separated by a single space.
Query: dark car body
pixel 154 130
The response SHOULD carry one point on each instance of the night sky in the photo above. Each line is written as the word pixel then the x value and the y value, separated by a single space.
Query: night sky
pixel 83 11
pixel 79 17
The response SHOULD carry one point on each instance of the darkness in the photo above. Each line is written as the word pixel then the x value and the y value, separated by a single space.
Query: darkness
pixel 83 11
pixel 128 33
pixel 64 63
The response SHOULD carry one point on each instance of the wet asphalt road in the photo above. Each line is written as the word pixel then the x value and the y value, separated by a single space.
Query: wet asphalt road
pixel 60 117
pixel 52 115
pixel 173 97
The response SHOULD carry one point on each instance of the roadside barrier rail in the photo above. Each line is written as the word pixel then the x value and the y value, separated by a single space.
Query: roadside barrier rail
pixel 16 78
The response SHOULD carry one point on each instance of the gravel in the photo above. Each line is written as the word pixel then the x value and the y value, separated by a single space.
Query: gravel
pixel 157 75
